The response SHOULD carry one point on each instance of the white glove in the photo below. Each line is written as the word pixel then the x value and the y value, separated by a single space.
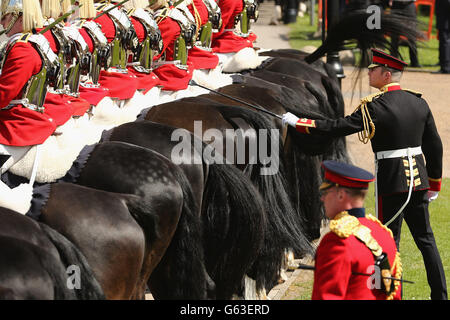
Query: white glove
pixel 290 119
pixel 432 195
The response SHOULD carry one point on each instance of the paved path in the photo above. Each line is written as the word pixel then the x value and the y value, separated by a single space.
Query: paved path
pixel 270 37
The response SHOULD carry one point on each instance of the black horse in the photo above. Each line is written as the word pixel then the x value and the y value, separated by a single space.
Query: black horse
pixel 35 259
pixel 163 189
pixel 231 209
pixel 284 229
pixel 103 227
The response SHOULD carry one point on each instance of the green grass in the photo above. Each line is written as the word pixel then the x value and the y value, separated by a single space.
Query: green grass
pixel 301 35
pixel 413 267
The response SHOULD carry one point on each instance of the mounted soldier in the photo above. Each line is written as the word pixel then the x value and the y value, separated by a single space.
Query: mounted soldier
pixel 29 66
pixel 99 49
pixel 207 19
pixel 178 30
pixel 235 33
pixel 73 57
pixel 119 32
pixel 148 44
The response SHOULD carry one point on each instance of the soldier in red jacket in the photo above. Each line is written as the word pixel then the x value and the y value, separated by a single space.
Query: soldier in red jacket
pixel 23 84
pixel 59 99
pixel 173 69
pixel 201 55
pixel 355 260
pixel 227 40
pixel 121 84
pixel 146 32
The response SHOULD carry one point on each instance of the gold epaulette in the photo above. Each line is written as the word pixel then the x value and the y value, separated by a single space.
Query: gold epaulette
pixel 343 224
pixel 369 98
pixel 368 126
pixel 416 93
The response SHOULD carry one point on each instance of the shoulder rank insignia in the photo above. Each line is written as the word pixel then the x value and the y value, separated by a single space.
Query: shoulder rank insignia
pixel 24 37
pixel 343 225
pixel 416 93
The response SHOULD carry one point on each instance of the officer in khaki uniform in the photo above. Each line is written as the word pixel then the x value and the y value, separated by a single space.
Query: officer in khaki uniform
pixel 401 128
pixel 358 258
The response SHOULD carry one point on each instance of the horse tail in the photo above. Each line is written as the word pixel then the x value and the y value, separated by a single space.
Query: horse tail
pixel 182 266
pixel 89 289
pixel 144 217
pixel 304 182
pixel 234 219
pixel 284 229
pixel 335 109
pixel 353 29
pixel 335 98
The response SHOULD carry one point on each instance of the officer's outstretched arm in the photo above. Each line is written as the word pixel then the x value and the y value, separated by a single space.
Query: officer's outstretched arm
pixel 331 127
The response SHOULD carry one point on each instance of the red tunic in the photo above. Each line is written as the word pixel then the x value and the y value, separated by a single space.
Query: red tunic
pixel 171 77
pixel 202 10
pixel 92 94
pixel 146 81
pixel 338 259
pixel 20 126
pixel 201 59
pixel 229 9
pixel 227 41
pixel 120 85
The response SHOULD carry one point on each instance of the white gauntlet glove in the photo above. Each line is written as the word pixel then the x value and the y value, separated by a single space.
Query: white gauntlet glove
pixel 432 195
pixel 290 119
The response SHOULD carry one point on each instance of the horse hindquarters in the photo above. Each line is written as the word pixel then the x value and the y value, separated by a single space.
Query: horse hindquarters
pixel 71 256
pixel 29 272
pixel 125 168
pixel 82 214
